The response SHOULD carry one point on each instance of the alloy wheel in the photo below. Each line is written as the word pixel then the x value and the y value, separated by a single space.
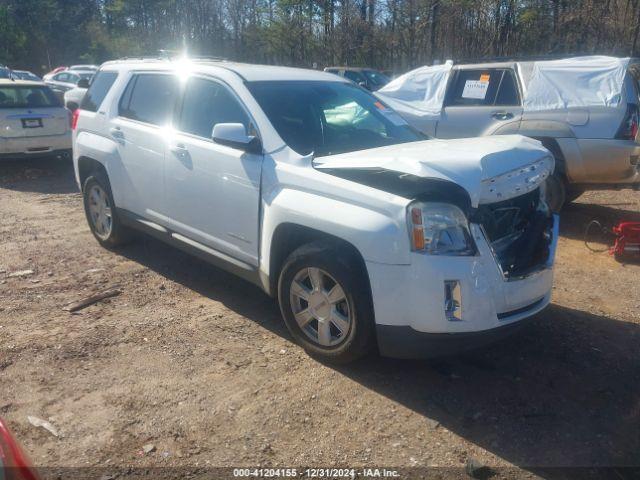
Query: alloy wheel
pixel 320 307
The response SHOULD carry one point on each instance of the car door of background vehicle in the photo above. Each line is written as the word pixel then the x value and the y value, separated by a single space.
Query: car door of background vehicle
pixel 212 190
pixel 60 83
pixel 479 102
pixel 140 128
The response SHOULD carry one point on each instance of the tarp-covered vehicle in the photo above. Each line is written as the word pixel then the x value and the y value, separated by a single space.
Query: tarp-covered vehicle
pixel 584 110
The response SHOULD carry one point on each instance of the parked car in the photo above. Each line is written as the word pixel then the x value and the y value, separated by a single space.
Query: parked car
pixel 33 122
pixel 14 463
pixel 67 80
pixel 584 110
pixel 365 77
pixel 5 72
pixel 320 194
pixel 25 75
pixel 50 74
pixel 84 68
pixel 73 98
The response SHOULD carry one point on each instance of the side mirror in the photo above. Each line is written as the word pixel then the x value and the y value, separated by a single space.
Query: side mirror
pixel 234 135
pixel 83 83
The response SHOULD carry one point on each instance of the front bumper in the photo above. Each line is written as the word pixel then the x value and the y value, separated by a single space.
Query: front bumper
pixel 29 147
pixel 409 301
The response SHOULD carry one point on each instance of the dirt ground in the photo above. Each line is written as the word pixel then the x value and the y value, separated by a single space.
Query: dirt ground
pixel 198 363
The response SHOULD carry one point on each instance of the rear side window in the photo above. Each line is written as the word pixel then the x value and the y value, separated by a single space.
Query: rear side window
pixel 207 103
pixel 354 76
pixel 99 88
pixel 149 98
pixel 483 88
pixel 14 96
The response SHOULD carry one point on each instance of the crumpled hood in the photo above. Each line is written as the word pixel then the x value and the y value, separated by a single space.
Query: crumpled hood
pixel 490 169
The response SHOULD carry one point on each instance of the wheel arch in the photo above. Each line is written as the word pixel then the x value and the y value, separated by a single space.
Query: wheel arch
pixel 287 237
pixel 87 165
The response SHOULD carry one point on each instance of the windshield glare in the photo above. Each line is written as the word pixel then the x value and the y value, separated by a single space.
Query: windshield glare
pixel 328 118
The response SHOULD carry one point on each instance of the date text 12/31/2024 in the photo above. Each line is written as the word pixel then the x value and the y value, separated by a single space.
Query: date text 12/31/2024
pixel 353 473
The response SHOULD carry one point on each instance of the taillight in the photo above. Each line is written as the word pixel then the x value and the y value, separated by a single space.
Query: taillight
pixel 74 118
pixel 13 462
pixel 629 128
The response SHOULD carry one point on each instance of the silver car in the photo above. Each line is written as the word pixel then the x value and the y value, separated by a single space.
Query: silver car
pixel 33 122
pixel 590 127
pixel 64 81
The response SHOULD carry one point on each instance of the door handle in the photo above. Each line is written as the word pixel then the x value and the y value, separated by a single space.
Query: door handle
pixel 502 115
pixel 117 134
pixel 179 150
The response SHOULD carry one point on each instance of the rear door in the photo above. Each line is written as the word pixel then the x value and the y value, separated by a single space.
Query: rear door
pixel 479 102
pixel 139 131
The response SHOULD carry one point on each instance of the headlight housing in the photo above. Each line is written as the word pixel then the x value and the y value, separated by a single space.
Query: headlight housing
pixel 439 229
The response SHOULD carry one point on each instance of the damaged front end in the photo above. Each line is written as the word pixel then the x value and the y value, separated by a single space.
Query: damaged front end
pixel 520 232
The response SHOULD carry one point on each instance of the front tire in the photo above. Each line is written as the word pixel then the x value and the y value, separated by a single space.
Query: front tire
pixel 326 302
pixel 101 213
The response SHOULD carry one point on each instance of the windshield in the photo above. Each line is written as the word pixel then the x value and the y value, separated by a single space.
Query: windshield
pixel 376 78
pixel 328 118
pixel 15 96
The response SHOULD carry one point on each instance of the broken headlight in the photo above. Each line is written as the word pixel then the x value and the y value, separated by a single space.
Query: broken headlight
pixel 439 229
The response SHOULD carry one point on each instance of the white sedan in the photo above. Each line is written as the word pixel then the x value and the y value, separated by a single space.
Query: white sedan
pixel 33 123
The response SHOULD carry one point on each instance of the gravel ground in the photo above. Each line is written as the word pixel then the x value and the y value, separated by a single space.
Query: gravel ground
pixel 198 364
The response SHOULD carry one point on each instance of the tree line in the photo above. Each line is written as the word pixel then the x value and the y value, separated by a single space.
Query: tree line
pixel 394 35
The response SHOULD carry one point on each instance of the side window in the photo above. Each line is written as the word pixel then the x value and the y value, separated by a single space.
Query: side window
pixel 508 95
pixel 98 89
pixel 73 78
pixel 149 98
pixel 474 88
pixel 353 76
pixel 62 77
pixel 207 103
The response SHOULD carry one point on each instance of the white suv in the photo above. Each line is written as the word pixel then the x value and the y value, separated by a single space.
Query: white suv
pixel 308 186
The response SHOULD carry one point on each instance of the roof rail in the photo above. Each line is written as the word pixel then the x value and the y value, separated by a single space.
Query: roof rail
pixel 173 55
pixel 520 58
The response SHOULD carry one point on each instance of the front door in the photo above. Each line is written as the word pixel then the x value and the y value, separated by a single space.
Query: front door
pixel 212 190
pixel 480 102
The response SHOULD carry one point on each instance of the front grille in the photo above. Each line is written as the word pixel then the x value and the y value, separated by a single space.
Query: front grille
pixel 519 231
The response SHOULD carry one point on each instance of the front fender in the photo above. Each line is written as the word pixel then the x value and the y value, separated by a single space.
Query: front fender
pixel 378 236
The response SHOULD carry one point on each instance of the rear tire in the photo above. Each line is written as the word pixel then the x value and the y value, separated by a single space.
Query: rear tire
pixel 556 192
pixel 326 302
pixel 101 213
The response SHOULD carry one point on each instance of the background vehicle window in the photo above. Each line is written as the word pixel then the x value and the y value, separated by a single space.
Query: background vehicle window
pixel 354 76
pixel 149 98
pixel 474 88
pixel 206 104
pixel 13 96
pixel 508 91
pixel 98 89
pixel 62 77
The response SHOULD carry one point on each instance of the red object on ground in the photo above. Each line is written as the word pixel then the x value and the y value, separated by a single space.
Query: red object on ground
pixel 627 239
pixel 14 464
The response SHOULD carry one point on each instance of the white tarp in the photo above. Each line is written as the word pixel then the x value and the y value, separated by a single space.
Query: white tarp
pixel 548 85
pixel 422 89
pixel 575 82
